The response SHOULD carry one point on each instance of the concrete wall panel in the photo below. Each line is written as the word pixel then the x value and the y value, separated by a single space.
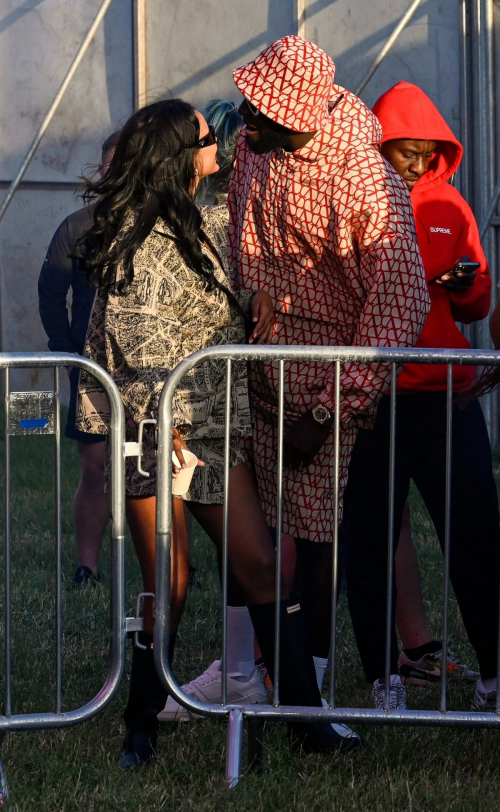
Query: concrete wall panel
pixel 38 41
pixel 193 46
pixel 426 53
pixel 26 232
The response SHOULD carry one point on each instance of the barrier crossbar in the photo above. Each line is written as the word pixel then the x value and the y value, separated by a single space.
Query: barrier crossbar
pixel 118 621
pixel 236 714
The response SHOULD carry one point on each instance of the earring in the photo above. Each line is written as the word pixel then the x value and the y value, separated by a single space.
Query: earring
pixel 196 172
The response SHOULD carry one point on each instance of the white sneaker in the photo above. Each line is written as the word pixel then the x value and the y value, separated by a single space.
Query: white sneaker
pixel 397 694
pixel 484 700
pixel 342 730
pixel 208 687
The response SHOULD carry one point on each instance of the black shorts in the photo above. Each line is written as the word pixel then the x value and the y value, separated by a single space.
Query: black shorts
pixel 71 431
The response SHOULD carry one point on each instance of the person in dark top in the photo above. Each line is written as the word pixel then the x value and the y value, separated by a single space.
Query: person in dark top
pixel 60 273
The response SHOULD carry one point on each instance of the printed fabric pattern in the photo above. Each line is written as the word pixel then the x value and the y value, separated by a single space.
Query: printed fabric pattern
pixel 290 82
pixel 165 315
pixel 207 484
pixel 328 230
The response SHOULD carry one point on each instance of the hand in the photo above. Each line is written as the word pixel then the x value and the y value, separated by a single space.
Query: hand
pixel 263 317
pixel 178 446
pixel 303 440
pixel 457 281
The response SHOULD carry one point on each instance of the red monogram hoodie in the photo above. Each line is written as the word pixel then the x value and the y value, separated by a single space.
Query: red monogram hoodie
pixel 446 230
pixel 328 230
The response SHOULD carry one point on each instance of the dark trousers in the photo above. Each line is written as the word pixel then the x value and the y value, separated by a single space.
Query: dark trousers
pixel 475 534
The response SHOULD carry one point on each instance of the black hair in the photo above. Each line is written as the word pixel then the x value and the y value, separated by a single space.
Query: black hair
pixel 110 142
pixel 150 176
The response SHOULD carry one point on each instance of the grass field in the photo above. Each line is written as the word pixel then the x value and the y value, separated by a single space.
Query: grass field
pixel 75 768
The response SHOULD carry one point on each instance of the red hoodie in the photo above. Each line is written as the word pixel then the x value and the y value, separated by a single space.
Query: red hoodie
pixel 446 230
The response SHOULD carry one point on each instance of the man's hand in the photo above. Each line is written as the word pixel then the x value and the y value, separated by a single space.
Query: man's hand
pixel 458 281
pixel 263 318
pixel 303 440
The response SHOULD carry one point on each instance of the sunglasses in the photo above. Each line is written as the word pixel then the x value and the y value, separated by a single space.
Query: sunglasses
pixel 209 139
pixel 252 108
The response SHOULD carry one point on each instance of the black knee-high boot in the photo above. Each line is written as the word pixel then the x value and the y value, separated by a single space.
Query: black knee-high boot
pixel 146 699
pixel 298 685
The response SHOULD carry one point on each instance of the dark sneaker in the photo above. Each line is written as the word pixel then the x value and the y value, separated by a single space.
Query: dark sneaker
pixel 84 577
pixel 428 668
pixel 321 737
pixel 140 752
pixel 349 737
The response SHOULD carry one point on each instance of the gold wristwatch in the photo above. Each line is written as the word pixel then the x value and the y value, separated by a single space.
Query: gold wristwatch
pixel 321 414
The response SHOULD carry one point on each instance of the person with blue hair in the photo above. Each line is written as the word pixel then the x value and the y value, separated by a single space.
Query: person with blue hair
pixel 223 116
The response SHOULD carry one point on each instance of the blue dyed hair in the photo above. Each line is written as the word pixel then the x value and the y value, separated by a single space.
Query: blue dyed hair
pixel 227 122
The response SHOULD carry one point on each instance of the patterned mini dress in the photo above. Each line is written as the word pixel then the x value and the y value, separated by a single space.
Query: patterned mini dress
pixel 139 336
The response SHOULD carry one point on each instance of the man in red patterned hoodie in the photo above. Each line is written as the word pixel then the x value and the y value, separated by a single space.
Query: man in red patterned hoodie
pixel 421 147
pixel 320 220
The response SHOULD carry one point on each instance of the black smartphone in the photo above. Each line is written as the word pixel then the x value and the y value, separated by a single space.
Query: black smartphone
pixel 460 267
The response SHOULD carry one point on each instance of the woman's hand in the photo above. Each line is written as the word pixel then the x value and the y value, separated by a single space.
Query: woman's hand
pixel 178 446
pixel 263 317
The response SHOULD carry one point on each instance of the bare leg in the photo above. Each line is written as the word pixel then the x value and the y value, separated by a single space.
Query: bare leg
pixel 288 562
pixel 91 504
pixel 410 612
pixel 251 551
pixel 141 515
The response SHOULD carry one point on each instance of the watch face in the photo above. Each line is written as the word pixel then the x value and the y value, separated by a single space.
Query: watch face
pixel 321 414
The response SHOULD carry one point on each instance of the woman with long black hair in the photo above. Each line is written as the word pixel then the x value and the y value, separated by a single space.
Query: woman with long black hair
pixel 164 292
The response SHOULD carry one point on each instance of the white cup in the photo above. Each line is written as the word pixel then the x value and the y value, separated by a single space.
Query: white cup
pixel 181 483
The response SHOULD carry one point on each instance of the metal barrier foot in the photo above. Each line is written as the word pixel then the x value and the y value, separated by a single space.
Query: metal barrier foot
pixel 234 748
pixel 255 745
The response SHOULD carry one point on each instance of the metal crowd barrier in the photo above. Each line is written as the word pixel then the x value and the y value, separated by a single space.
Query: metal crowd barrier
pixel 39 413
pixel 236 714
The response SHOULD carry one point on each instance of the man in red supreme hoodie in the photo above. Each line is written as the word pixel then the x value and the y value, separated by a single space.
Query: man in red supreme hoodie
pixel 423 150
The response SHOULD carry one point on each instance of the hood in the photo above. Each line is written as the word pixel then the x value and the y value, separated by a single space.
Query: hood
pixel 405 111
pixel 351 125
pixel 290 82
